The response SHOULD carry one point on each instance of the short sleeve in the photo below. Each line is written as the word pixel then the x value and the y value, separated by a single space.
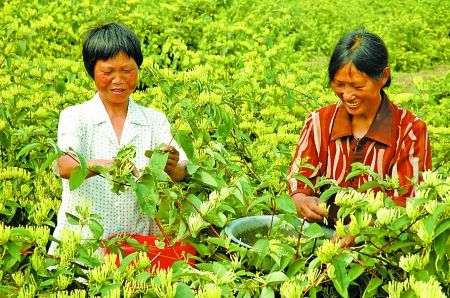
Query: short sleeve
pixel 69 130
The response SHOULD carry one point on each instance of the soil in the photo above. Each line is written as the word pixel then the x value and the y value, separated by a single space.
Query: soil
pixel 405 80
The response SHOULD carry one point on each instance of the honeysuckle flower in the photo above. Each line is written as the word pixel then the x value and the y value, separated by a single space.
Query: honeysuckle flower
pixel 99 274
pixel 68 246
pixel 395 289
pixel 312 275
pixel 431 206
pixel 429 289
pixel 195 223
pixel 28 290
pixel 331 271
pixel 327 251
pixel 385 216
pixel 63 281
pixel 410 262
pixel 162 284
pixel 340 228
pixel 19 278
pixel 209 291
pixel 37 261
pixel 412 211
pixel 353 227
pixel 5 231
pixel 291 289
pixel 423 234
pixel 142 261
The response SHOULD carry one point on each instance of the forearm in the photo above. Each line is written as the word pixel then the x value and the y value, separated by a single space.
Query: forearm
pixel 179 172
pixel 68 162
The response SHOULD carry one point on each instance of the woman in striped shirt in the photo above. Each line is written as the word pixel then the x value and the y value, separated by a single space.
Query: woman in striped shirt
pixel 364 126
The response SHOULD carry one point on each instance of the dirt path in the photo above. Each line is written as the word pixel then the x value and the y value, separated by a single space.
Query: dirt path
pixel 405 80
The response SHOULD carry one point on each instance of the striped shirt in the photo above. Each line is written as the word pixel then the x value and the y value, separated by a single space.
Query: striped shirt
pixel 396 145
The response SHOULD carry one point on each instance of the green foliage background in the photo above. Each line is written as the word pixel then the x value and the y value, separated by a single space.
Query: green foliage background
pixel 237 77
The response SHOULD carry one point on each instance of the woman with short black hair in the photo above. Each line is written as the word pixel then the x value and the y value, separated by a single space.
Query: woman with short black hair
pixel 100 127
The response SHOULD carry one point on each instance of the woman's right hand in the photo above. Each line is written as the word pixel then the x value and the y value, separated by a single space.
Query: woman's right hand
pixel 308 208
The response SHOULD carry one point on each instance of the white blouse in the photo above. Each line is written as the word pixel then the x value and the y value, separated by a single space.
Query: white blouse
pixel 87 129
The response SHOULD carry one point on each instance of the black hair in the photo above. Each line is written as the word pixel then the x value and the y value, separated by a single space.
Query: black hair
pixel 106 41
pixel 365 50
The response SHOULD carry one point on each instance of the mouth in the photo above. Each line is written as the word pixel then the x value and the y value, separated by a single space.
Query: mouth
pixel 353 105
pixel 118 91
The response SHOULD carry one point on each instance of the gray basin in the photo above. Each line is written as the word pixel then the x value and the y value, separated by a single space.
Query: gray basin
pixel 246 231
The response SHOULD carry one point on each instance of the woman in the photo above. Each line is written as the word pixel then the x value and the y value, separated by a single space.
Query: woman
pixel 365 126
pixel 98 128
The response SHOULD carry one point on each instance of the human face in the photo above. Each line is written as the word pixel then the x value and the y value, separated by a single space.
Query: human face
pixel 116 78
pixel 359 93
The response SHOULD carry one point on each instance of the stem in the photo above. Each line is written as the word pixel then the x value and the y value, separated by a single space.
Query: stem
pixel 297 247
pixel 166 237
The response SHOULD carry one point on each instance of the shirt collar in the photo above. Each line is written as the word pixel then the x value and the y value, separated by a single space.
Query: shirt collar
pixel 380 130
pixel 99 115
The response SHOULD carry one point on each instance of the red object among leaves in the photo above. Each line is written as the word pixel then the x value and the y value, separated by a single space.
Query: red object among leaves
pixel 162 258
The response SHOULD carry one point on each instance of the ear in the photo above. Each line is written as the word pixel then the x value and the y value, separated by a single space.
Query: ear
pixel 386 75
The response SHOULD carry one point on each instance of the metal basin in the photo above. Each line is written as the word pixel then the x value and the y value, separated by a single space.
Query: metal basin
pixel 246 231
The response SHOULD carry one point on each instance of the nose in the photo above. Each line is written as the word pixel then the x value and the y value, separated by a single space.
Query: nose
pixel 347 94
pixel 117 79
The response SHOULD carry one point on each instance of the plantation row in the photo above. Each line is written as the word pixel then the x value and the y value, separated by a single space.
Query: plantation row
pixel 236 80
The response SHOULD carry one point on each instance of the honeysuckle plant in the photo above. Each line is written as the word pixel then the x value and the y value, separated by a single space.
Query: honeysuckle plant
pixel 237 79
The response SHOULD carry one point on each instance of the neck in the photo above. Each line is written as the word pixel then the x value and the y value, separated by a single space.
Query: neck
pixel 116 110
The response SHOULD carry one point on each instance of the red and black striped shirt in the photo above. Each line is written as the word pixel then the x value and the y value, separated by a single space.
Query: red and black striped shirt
pixel 396 145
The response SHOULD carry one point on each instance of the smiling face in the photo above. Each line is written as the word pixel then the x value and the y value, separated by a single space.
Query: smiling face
pixel 116 78
pixel 359 93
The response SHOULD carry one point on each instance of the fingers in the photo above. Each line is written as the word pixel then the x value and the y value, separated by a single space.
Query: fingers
pixel 308 208
pixel 347 241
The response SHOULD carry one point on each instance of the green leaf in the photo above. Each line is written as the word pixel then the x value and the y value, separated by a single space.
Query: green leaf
pixel 368 185
pixel 184 291
pixel 146 196
pixel 72 219
pixel 355 271
pixel 267 292
pixel 76 178
pixel 24 151
pixel 50 159
pixel 96 228
pixel 158 162
pixel 185 141
pixel 440 243
pixel 341 280
pixel 83 164
pixel 354 173
pixel 314 230
pixel 289 99
pixel 303 179
pixel 442 227
pixel 127 260
pixel 329 192
pixel 206 178
pixel 276 277
pixel 372 287
pixel 13 250
pixel 284 203
pixel 60 85
pixel 261 246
